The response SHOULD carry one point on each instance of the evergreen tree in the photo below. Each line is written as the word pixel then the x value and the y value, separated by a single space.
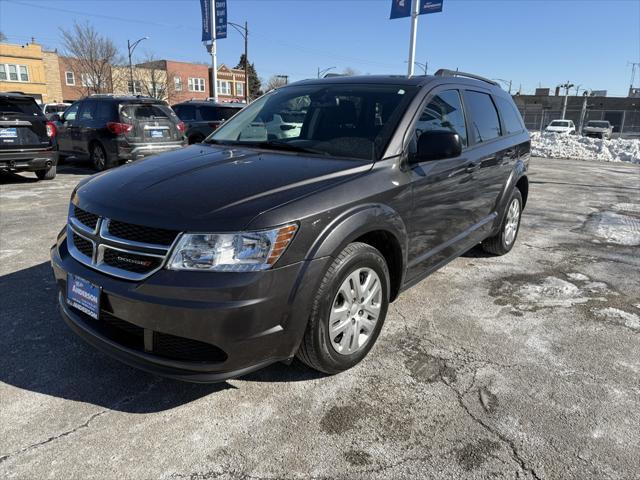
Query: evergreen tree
pixel 254 81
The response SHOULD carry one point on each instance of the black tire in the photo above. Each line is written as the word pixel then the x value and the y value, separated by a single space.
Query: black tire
pixel 316 349
pixel 499 244
pixel 47 174
pixel 99 158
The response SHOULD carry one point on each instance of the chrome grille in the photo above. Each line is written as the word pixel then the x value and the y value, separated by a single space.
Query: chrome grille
pixel 124 250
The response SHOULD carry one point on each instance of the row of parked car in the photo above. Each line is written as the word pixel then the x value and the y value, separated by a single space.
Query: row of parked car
pixel 107 130
pixel 593 128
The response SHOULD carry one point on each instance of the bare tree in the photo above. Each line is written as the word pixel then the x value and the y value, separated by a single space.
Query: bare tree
pixel 275 82
pixel 152 77
pixel 93 56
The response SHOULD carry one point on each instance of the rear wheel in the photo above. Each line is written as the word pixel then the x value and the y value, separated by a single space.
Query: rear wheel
pixel 348 310
pixel 503 241
pixel 99 158
pixel 47 174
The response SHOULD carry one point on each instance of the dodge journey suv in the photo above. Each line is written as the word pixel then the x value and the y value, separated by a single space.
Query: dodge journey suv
pixel 110 130
pixel 256 246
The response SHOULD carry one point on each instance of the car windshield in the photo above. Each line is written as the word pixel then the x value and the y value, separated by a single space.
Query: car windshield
pixel 343 120
pixel 559 124
pixel 598 124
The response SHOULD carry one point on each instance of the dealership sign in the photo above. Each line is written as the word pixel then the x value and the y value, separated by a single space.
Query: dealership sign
pixel 402 8
pixel 220 19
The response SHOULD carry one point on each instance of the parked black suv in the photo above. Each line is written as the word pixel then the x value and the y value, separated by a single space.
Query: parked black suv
pixel 210 262
pixel 26 137
pixel 202 117
pixel 110 130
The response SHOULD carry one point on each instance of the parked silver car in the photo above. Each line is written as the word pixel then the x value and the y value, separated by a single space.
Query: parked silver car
pixel 598 129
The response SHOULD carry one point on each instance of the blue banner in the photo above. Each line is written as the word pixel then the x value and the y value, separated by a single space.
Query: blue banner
pixel 205 7
pixel 402 8
pixel 221 18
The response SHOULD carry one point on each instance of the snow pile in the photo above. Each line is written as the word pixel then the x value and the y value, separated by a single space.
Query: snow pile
pixel 551 145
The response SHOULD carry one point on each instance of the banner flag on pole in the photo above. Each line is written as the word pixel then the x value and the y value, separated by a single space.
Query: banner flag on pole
pixel 402 8
pixel 221 19
pixel 205 7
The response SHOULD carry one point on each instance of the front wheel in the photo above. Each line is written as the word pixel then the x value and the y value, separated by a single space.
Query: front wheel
pixel 348 310
pixel 503 241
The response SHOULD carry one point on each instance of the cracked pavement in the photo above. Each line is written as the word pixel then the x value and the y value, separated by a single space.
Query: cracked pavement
pixel 525 366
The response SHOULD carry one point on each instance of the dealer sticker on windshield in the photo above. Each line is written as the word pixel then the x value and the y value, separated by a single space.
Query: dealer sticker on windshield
pixel 83 295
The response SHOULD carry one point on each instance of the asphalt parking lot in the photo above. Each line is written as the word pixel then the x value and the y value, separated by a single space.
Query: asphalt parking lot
pixel 523 366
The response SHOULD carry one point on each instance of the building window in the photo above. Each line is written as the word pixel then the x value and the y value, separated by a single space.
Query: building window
pixel 239 89
pixel 70 78
pixel 89 80
pixel 224 87
pixel 134 87
pixel 177 82
pixel 196 84
pixel 14 73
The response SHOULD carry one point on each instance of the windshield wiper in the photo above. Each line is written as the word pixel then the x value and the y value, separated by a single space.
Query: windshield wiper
pixel 279 145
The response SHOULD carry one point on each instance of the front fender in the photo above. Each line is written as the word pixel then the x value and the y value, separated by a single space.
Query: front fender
pixel 356 222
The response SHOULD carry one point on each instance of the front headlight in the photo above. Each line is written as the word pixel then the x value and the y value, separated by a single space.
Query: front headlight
pixel 231 252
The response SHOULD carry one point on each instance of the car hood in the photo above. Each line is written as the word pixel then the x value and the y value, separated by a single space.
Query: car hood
pixel 208 187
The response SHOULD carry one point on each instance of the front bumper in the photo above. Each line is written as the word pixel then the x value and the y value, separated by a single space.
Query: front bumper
pixel 136 151
pixel 28 161
pixel 248 320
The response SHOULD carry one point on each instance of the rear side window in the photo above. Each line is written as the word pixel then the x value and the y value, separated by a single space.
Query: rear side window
pixel 510 116
pixel 185 112
pixel 217 113
pixel 483 121
pixel 21 106
pixel 105 111
pixel 444 112
pixel 88 111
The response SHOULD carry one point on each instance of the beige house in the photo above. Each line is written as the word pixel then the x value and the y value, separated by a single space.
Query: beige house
pixel 22 69
pixel 147 81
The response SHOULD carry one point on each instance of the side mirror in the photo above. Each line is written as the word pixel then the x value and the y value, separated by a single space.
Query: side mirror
pixel 437 145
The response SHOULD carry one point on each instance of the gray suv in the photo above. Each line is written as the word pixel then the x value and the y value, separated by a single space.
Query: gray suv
pixel 257 246
pixel 110 130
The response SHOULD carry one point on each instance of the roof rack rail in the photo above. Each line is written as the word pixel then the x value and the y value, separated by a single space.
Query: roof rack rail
pixel 443 72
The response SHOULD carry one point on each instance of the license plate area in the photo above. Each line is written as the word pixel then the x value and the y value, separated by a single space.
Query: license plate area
pixel 8 134
pixel 83 295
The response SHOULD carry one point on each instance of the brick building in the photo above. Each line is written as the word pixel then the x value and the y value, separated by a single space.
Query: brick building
pixel 185 81
pixel 76 83
pixel 231 84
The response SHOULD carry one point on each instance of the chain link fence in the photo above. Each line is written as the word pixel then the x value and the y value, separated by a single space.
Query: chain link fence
pixel 626 123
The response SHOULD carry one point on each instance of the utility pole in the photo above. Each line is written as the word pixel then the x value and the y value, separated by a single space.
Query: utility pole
pixel 412 39
pixel 130 48
pixel 583 112
pixel 634 65
pixel 566 87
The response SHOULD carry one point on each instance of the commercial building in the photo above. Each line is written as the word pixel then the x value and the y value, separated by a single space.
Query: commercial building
pixel 76 82
pixel 148 81
pixel 231 84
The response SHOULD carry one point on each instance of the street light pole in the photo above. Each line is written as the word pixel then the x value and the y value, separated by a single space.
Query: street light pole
pixel 244 31
pixel 566 87
pixel 130 48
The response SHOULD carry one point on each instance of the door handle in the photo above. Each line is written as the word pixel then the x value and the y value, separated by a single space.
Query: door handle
pixel 472 167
